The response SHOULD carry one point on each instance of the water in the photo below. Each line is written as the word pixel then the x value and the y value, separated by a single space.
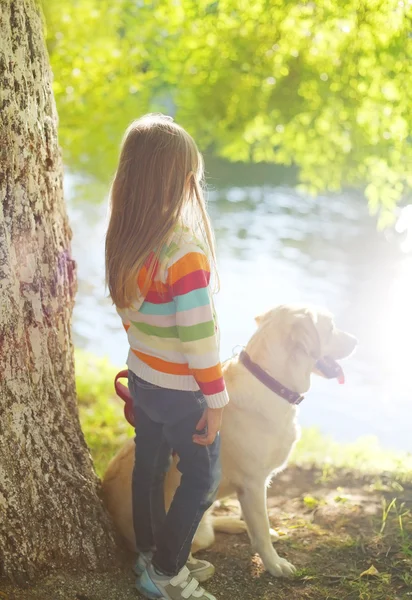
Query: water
pixel 276 246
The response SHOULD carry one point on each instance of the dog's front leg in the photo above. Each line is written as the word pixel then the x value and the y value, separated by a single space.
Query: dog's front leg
pixel 253 502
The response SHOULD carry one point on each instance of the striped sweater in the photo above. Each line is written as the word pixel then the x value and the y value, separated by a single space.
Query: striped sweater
pixel 172 331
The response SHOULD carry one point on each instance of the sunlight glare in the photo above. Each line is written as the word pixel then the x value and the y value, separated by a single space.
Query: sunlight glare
pixel 404 225
pixel 397 327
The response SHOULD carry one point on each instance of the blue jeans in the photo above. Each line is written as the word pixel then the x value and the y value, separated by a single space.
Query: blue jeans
pixel 166 419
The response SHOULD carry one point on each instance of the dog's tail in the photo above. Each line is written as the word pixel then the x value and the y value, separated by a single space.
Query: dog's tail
pixel 235 526
pixel 232 525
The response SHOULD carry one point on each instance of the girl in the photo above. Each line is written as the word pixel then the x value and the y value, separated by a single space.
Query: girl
pixel 159 258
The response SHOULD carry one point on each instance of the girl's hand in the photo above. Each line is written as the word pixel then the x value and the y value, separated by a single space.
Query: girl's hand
pixel 211 421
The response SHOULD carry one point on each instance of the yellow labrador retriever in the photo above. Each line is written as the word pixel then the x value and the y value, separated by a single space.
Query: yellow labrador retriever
pixel 260 428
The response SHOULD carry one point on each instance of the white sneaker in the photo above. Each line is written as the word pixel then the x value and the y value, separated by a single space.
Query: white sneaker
pixel 202 570
pixel 180 587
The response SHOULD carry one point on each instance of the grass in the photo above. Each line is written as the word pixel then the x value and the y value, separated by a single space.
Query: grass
pixel 364 456
pixel 101 411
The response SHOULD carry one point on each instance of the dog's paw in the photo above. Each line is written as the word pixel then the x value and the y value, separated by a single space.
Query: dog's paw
pixel 280 567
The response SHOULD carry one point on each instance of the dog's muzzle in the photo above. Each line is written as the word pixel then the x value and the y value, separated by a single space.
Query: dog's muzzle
pixel 330 369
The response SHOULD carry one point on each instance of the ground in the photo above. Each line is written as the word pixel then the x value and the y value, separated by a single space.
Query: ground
pixel 338 518
pixel 348 537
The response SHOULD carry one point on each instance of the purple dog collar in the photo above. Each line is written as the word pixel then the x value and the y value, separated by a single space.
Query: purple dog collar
pixel 269 381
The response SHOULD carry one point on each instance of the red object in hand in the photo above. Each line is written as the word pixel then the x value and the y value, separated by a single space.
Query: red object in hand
pixel 123 392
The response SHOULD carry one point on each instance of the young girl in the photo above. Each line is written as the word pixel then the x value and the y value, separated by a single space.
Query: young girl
pixel 159 258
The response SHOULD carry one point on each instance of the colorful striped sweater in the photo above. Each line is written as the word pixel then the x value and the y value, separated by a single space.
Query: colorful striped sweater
pixel 172 331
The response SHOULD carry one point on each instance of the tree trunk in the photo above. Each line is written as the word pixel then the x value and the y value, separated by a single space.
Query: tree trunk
pixel 51 514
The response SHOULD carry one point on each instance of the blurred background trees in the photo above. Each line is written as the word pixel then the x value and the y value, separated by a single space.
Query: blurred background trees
pixel 325 86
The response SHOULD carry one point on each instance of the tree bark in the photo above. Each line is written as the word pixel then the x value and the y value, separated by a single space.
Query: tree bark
pixel 51 514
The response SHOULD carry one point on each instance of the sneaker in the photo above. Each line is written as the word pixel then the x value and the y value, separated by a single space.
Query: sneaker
pixel 202 570
pixel 141 563
pixel 180 587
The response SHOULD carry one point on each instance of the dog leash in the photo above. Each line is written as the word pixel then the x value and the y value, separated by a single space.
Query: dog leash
pixel 329 369
pixel 123 392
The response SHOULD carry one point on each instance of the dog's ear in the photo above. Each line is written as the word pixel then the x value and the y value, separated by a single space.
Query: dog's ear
pixel 260 318
pixel 304 335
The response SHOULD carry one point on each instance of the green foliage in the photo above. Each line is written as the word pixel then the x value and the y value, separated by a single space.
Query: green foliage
pixel 311 502
pixel 101 412
pixel 322 85
pixel 365 455
pixel 403 517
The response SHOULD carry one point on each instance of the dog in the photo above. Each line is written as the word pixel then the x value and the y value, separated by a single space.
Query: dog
pixel 259 428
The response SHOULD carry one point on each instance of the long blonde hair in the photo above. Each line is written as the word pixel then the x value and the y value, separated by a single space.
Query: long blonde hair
pixel 158 183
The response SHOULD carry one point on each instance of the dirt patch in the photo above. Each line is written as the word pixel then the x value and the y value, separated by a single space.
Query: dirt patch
pixel 332 529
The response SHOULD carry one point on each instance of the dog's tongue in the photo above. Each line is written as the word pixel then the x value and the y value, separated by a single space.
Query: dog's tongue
pixel 330 369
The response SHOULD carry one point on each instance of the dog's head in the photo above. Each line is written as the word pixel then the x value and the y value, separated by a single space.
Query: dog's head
pixel 302 339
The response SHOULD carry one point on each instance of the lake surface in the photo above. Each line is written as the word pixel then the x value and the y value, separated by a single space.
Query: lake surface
pixel 277 246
